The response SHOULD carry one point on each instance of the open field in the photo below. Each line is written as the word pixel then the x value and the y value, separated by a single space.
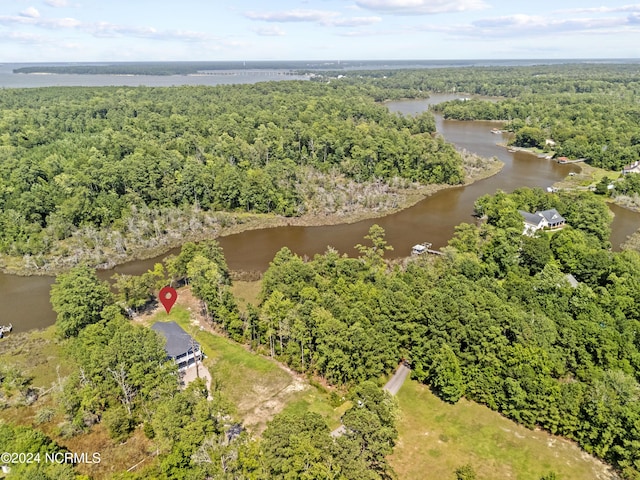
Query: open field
pixel 246 293
pixel 436 438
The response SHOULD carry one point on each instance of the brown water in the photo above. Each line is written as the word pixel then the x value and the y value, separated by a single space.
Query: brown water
pixel 24 300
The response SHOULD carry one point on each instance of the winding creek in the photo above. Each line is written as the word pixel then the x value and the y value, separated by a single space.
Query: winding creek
pixel 24 301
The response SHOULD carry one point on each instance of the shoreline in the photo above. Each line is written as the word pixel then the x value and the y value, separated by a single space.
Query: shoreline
pixel 407 197
pixel 572 183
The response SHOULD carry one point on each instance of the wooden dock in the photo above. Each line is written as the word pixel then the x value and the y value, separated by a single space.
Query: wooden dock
pixel 424 248
pixel 565 160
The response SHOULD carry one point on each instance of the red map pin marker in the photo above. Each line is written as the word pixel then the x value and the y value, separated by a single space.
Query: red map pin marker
pixel 168 297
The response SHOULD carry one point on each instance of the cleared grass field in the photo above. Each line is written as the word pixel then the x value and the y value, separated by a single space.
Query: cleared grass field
pixel 436 438
pixel 246 293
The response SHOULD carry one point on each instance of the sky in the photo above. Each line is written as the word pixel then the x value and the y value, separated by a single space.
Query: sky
pixel 169 30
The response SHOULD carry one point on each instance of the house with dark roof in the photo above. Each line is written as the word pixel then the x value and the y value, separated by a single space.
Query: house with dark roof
pixel 632 168
pixel 181 347
pixel 533 222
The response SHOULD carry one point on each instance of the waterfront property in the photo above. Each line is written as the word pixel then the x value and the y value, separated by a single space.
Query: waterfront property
pixel 632 168
pixel 549 219
pixel 420 248
pixel 5 329
pixel 424 248
pixel 181 347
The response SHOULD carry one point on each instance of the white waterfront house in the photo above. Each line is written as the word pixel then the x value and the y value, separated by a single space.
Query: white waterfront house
pixel 181 347
pixel 549 219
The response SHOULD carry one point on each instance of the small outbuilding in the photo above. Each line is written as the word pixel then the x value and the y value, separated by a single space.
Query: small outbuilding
pixel 181 347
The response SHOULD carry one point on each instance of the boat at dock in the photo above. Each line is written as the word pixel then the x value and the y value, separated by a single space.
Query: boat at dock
pixel 5 329
pixel 420 248
pixel 424 248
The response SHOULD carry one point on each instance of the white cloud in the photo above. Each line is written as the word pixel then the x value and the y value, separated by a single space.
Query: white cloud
pixel 293 16
pixel 57 3
pixel 103 29
pixel 30 12
pixel 365 33
pixel 52 23
pixel 110 30
pixel 543 26
pixel 355 21
pixel 272 31
pixel 622 8
pixel 421 7
pixel 520 25
pixel 322 17
pixel 22 37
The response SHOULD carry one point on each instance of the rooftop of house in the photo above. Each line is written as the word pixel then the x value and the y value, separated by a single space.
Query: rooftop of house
pixel 178 341
pixel 531 218
pixel 551 216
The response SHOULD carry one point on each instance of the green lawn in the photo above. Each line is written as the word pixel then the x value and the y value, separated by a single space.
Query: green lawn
pixel 436 438
pixel 246 293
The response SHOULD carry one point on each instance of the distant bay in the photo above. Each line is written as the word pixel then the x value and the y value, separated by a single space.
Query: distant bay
pixel 8 79
pixel 225 73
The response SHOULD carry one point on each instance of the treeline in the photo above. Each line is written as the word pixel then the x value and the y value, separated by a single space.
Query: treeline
pixel 161 69
pixel 508 81
pixel 603 128
pixel 496 319
pixel 576 112
pixel 74 158
pixel 187 68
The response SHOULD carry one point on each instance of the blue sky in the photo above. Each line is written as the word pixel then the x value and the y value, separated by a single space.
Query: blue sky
pixel 129 30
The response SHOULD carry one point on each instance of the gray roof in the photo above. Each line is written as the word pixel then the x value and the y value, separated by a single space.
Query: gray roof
pixel 572 280
pixel 179 342
pixel 552 216
pixel 531 218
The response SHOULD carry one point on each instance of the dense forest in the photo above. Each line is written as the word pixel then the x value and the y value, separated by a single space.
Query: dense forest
pixel 97 173
pixel 496 319
pixel 110 162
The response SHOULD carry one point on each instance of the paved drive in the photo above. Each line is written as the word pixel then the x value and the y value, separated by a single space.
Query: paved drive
pixel 392 386
pixel 395 382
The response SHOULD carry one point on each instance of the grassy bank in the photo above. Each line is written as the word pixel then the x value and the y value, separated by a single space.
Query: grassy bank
pixel 436 438
pixel 147 234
